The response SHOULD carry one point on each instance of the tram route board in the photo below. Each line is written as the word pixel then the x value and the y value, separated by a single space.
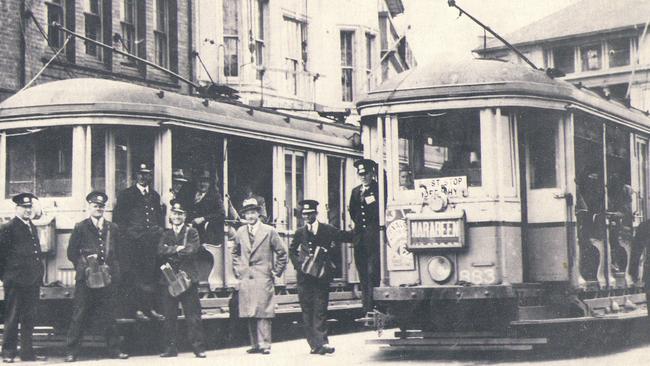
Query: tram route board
pixel 436 231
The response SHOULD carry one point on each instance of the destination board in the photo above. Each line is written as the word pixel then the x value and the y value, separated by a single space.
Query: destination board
pixel 436 231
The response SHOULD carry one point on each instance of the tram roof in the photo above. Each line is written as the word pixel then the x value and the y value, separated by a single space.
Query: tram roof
pixel 101 97
pixel 497 82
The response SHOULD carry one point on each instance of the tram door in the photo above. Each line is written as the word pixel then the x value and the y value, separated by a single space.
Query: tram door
pixel 544 212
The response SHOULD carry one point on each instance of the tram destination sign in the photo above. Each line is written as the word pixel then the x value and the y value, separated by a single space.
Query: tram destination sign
pixel 449 186
pixel 436 230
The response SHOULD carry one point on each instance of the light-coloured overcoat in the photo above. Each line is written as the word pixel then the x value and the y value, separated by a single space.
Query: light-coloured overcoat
pixel 255 267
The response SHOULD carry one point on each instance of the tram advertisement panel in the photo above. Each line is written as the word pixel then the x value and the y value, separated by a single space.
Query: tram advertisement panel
pixel 398 256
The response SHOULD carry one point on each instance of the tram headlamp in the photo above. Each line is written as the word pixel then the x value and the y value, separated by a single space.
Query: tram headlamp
pixel 440 268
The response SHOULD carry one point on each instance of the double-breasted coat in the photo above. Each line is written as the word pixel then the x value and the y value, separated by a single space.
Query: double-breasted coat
pixel 185 259
pixel 20 254
pixel 255 267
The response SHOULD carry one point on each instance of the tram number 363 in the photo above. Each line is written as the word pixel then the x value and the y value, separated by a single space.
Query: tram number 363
pixel 475 276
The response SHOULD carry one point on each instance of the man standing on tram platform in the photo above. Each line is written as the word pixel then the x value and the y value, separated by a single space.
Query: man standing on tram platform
pixel 364 211
pixel 310 254
pixel 205 210
pixel 22 272
pixel 139 215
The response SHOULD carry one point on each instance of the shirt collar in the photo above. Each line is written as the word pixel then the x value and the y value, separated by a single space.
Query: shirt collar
pixel 177 229
pixel 26 222
pixel 99 223
pixel 141 188
pixel 314 227
pixel 253 228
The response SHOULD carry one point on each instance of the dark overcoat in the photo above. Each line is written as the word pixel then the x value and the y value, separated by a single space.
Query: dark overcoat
pixel 20 254
pixel 209 207
pixel 254 266
pixel 86 240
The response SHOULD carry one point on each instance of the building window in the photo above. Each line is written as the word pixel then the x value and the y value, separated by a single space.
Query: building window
pixel 296 52
pixel 260 16
pixel 564 59
pixel 55 13
pixel 591 56
pixel 130 20
pixel 40 162
pixel 93 19
pixel 446 146
pixel 161 33
pixel 619 52
pixel 370 60
pixel 347 65
pixel 231 37
pixel 294 178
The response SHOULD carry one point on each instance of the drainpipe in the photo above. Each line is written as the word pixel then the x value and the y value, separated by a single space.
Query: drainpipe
pixel 22 73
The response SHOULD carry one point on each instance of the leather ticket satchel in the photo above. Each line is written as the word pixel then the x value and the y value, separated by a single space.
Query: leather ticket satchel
pixel 98 275
pixel 177 282
pixel 316 263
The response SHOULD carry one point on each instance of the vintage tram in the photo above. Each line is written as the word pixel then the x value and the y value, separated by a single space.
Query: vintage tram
pixel 64 138
pixel 512 200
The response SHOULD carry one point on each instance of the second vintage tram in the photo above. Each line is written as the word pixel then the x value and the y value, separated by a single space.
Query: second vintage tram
pixel 512 202
pixel 63 139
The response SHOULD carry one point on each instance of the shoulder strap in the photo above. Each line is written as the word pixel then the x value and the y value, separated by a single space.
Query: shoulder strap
pixel 187 228
pixel 108 239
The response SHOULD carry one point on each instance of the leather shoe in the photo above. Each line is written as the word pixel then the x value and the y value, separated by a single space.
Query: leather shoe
pixel 199 354
pixel 325 349
pixel 8 359
pixel 34 358
pixel 253 350
pixel 265 351
pixel 315 351
pixel 139 315
pixel 70 358
pixel 120 355
pixel 156 316
pixel 169 353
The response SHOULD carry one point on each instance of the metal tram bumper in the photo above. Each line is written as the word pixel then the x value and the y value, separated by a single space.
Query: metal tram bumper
pixel 449 318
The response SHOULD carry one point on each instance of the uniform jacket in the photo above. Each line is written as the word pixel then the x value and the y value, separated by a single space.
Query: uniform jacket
pixel 364 207
pixel 20 254
pixel 255 266
pixel 138 215
pixel 209 207
pixel 184 260
pixel 86 240
pixel 305 242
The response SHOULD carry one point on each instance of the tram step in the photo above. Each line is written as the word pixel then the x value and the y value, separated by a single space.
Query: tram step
pixel 456 342
pixel 421 334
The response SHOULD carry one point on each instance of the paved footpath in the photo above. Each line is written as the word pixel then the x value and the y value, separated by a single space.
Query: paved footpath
pixel 352 350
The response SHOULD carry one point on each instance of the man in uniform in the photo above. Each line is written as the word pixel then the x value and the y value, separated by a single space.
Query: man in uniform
pixel 179 247
pixel 179 185
pixel 94 239
pixel 140 217
pixel 313 291
pixel 364 211
pixel 206 212
pixel 22 276
pixel 255 267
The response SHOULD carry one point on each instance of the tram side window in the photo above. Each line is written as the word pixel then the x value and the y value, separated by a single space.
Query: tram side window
pixel 98 174
pixel 40 162
pixel 442 145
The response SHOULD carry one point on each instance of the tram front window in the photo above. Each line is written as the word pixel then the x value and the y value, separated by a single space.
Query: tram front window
pixel 40 161
pixel 446 144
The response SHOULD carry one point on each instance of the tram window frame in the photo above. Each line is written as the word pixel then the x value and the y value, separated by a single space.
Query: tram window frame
pixel 291 158
pixel 98 150
pixel 40 144
pixel 467 151
pixel 537 152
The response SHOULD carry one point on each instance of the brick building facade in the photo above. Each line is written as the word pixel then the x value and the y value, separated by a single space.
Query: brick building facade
pixel 156 30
